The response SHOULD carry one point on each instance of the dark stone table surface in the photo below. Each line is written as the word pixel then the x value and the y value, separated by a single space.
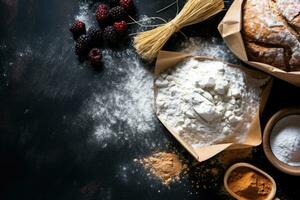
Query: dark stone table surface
pixel 68 131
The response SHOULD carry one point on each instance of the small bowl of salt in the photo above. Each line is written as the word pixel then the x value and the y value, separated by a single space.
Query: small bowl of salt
pixel 281 141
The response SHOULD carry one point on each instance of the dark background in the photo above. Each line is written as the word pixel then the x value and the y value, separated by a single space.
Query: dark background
pixel 45 150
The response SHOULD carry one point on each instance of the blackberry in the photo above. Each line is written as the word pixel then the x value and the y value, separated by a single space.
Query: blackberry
pixel 102 14
pixel 118 13
pixel 82 45
pixel 127 4
pixel 95 35
pixel 102 7
pixel 110 35
pixel 121 27
pixel 95 57
pixel 77 29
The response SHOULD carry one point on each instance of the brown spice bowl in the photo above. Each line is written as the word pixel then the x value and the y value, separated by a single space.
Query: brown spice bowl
pixel 272 194
pixel 266 141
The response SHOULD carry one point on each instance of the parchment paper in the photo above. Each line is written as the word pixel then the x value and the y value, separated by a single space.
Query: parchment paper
pixel 230 29
pixel 166 60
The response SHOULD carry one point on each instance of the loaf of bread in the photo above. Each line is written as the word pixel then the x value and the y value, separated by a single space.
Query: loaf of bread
pixel 271 32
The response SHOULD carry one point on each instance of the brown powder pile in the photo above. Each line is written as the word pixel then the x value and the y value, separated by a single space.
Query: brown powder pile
pixel 166 166
pixel 249 184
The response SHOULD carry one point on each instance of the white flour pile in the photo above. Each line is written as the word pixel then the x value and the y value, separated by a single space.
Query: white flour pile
pixel 207 102
pixel 285 140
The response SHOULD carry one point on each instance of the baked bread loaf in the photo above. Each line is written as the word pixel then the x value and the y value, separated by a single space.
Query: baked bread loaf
pixel 271 32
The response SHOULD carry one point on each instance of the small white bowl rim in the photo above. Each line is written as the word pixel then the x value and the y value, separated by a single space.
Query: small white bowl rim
pixel 283 167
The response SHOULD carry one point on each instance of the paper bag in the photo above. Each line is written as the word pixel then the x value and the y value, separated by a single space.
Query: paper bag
pixel 230 29
pixel 166 60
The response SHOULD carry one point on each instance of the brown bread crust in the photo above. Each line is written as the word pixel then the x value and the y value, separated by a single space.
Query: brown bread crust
pixel 290 10
pixel 271 35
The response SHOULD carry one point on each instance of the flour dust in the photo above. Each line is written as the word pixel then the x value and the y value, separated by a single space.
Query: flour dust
pixel 85 14
pixel 125 111
pixel 211 47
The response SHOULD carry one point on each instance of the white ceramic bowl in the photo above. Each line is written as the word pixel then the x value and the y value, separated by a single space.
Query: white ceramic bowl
pixel 295 171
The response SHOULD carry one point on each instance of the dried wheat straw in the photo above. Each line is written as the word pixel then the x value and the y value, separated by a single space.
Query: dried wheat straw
pixel 148 43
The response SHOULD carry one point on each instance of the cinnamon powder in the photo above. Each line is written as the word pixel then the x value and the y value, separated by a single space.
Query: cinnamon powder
pixel 166 166
pixel 249 184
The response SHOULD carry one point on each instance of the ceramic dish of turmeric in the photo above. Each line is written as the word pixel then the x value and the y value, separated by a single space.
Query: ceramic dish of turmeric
pixel 246 182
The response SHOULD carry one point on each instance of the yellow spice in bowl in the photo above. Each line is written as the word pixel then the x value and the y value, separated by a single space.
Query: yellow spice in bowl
pixel 249 184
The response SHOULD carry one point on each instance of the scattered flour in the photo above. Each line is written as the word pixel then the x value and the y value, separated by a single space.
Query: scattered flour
pixel 285 140
pixel 207 102
pixel 125 111
pixel 85 14
pixel 211 47
pixel 26 52
pixel 145 22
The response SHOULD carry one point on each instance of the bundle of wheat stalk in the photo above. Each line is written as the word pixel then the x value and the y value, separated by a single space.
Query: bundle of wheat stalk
pixel 148 43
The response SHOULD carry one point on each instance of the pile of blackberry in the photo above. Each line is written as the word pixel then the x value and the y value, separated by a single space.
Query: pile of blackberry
pixel 112 29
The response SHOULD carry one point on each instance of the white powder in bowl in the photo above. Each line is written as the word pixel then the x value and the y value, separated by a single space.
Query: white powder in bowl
pixel 207 102
pixel 285 140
